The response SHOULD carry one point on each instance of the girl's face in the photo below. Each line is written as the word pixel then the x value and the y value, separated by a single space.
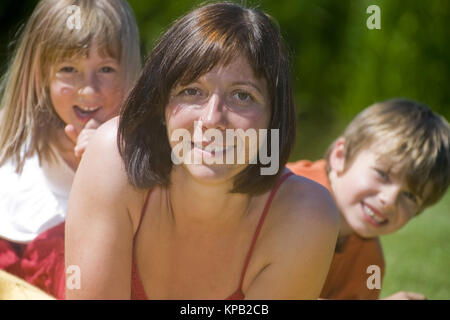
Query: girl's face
pixel 86 88
pixel 227 97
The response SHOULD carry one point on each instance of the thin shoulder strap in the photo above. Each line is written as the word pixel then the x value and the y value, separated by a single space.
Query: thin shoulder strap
pixel 260 224
pixel 143 211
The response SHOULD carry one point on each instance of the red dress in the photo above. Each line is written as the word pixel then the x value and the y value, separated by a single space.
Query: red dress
pixel 40 262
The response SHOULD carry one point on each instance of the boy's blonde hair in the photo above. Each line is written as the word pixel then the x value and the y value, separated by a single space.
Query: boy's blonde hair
pixel 409 138
pixel 27 117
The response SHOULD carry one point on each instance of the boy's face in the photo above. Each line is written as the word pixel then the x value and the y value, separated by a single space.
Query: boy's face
pixel 372 201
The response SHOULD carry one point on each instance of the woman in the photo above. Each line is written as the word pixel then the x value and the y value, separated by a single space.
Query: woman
pixel 141 226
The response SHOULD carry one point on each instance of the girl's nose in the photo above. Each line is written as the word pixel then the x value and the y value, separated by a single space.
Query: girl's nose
pixel 89 87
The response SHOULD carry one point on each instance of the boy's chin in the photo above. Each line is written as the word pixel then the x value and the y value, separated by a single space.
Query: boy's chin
pixel 364 230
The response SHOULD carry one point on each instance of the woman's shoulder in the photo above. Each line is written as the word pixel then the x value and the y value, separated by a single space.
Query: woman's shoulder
pixel 102 151
pixel 303 208
pixel 301 197
pixel 102 171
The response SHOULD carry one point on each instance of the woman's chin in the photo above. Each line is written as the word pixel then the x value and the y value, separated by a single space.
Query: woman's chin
pixel 214 173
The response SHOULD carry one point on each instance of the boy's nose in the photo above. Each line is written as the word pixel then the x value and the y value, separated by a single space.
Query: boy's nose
pixel 389 195
pixel 213 114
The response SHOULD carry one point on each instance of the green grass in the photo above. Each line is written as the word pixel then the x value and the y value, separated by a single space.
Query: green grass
pixel 418 256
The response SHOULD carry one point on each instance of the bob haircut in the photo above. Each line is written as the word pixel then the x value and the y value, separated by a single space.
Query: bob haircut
pixel 408 138
pixel 211 35
pixel 27 115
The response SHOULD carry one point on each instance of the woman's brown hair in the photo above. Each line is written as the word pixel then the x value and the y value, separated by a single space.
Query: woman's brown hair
pixel 208 36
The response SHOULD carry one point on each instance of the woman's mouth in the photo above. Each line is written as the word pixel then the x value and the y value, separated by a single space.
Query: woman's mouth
pixel 85 113
pixel 211 149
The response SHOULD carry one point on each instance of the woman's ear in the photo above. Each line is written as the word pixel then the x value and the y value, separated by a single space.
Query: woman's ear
pixel 337 156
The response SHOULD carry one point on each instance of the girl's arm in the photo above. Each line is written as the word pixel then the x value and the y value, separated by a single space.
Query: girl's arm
pixel 99 230
pixel 299 243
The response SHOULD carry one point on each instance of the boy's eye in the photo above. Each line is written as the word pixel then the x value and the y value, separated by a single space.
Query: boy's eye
pixel 410 196
pixel 382 174
pixel 67 69
pixel 107 69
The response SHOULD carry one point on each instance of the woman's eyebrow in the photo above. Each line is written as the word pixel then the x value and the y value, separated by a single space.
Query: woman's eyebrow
pixel 248 83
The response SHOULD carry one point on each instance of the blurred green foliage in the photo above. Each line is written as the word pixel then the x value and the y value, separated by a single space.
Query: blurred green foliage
pixel 339 66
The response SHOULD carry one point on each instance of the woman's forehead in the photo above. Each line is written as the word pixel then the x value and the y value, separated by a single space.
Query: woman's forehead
pixel 236 70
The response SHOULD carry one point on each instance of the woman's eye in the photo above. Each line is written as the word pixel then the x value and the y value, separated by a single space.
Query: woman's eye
pixel 67 69
pixel 107 69
pixel 190 92
pixel 243 96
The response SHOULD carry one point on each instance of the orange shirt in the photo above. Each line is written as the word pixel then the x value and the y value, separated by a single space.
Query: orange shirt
pixel 348 275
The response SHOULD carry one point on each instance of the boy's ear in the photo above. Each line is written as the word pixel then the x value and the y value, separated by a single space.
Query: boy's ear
pixel 337 156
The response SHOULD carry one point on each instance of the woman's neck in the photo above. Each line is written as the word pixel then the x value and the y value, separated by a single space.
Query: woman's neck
pixel 205 206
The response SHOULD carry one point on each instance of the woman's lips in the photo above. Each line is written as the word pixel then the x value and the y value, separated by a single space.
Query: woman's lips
pixel 210 149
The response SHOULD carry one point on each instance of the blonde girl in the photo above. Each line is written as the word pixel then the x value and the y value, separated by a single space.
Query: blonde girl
pixel 73 65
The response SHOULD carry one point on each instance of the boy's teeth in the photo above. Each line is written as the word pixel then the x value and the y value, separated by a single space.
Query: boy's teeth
pixel 373 215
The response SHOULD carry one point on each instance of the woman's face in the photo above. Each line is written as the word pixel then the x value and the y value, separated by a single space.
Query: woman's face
pixel 210 111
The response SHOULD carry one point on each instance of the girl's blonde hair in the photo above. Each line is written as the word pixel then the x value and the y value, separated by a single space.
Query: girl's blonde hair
pixel 27 116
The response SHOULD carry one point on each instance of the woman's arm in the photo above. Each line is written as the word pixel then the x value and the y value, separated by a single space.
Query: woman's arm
pixel 300 243
pixel 99 230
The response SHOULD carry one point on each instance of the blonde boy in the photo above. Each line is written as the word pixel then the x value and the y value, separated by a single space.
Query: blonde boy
pixel 391 162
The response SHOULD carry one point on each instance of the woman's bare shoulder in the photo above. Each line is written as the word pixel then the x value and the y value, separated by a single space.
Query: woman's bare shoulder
pixel 303 208
pixel 297 242
pixel 301 198
pixel 102 169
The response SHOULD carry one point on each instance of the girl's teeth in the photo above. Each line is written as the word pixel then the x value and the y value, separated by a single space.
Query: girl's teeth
pixel 89 109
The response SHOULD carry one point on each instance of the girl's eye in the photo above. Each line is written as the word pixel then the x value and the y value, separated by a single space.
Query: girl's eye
pixel 107 69
pixel 67 69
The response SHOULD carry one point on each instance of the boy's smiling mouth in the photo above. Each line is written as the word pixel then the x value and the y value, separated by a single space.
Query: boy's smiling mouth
pixel 373 216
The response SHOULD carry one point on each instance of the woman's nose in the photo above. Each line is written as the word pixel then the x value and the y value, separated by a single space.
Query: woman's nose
pixel 214 114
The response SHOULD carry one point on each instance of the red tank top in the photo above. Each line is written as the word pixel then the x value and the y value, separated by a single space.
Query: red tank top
pixel 137 289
